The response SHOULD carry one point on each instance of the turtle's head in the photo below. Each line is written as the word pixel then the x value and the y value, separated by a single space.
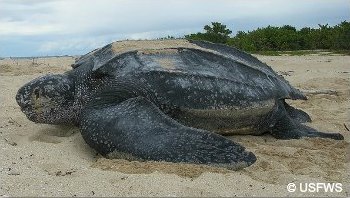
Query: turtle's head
pixel 48 99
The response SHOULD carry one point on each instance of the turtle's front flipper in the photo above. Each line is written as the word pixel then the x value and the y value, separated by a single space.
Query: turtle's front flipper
pixel 288 128
pixel 137 129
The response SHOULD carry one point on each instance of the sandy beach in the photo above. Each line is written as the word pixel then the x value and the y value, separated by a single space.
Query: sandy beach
pixel 47 160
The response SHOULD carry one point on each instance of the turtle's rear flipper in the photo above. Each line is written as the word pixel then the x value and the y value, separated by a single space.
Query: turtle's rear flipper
pixel 288 128
pixel 137 129
pixel 297 114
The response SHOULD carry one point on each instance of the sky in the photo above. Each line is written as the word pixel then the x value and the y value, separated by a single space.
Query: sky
pixel 75 27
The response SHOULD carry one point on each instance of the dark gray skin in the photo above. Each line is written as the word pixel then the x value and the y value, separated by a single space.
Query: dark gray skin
pixel 170 104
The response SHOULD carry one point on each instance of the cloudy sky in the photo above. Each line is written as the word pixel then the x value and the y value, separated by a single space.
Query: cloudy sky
pixel 60 27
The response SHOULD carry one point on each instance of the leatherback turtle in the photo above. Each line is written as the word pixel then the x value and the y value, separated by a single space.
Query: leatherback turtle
pixel 169 100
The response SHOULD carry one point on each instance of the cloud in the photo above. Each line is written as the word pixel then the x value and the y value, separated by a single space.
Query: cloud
pixel 66 25
pixel 24 28
pixel 125 16
pixel 75 44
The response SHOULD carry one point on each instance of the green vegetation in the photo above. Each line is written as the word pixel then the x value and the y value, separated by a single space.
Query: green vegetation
pixel 216 33
pixel 274 40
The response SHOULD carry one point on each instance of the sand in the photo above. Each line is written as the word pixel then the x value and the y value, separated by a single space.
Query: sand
pixel 46 160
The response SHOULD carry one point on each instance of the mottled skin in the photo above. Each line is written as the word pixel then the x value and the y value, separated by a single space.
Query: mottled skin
pixel 164 103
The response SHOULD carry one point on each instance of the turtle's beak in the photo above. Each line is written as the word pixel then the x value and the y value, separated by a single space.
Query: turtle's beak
pixel 22 101
pixel 23 98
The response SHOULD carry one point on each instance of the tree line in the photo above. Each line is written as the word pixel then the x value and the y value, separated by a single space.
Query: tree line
pixel 283 38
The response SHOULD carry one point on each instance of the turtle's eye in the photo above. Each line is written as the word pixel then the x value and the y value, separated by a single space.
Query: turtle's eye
pixel 37 93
